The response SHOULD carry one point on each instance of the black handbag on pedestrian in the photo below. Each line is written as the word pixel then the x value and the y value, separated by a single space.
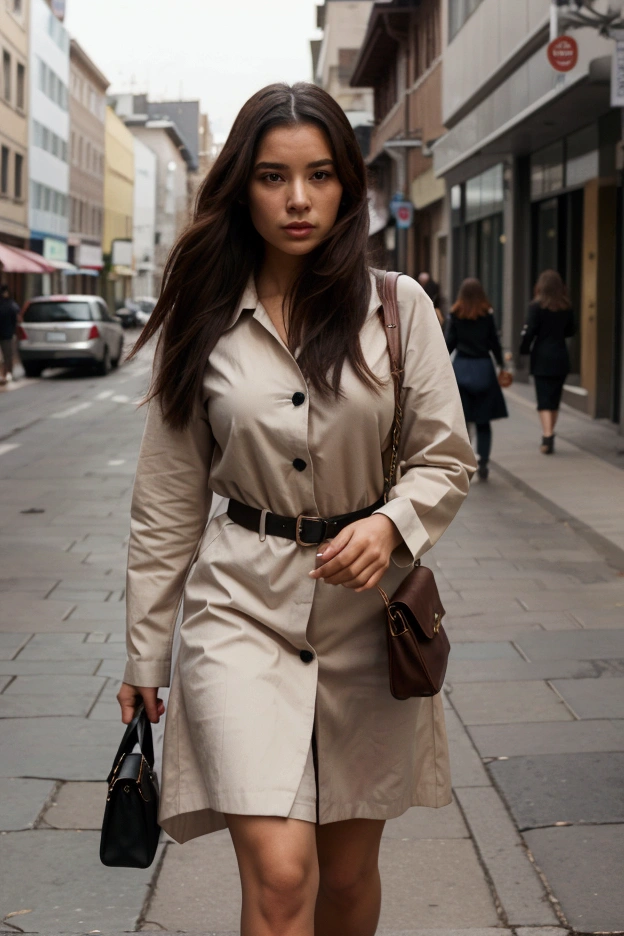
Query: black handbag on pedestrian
pixel 130 829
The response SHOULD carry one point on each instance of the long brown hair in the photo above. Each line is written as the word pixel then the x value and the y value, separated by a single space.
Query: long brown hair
pixel 210 265
pixel 551 292
pixel 471 302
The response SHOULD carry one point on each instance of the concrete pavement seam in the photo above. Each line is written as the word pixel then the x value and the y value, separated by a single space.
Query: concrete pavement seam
pixel 151 890
pixel 612 554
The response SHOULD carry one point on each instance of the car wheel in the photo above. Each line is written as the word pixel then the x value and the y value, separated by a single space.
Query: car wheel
pixel 103 367
pixel 115 361
pixel 33 369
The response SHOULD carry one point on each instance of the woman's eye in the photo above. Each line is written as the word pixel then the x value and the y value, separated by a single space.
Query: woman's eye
pixel 272 177
pixel 320 175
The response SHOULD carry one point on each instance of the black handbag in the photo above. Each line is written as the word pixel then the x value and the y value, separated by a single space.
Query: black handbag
pixel 130 828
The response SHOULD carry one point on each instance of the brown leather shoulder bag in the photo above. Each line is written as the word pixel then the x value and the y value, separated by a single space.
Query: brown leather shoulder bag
pixel 418 647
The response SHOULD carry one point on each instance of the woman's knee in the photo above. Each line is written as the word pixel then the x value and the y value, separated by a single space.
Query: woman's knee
pixel 345 884
pixel 285 886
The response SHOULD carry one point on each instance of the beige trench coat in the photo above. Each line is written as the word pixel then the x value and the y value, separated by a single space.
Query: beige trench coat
pixel 243 705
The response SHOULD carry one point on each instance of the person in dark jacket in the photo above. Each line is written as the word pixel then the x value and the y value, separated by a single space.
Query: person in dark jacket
pixel 9 314
pixel 549 322
pixel 471 332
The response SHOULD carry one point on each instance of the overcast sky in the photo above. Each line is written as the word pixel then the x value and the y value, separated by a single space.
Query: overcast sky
pixel 219 51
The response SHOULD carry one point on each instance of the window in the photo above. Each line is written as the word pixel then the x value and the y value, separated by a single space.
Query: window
pixel 88 157
pixel 52 86
pixel 21 85
pixel 6 75
pixel 17 7
pixel 19 171
pixel 4 171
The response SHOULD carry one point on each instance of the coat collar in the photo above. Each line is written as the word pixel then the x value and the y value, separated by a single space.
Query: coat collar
pixel 249 301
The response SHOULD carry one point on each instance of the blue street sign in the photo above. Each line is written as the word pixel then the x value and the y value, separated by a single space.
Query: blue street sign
pixel 404 214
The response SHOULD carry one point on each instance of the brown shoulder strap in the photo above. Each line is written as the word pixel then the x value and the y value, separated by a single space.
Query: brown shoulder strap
pixel 390 314
pixel 390 318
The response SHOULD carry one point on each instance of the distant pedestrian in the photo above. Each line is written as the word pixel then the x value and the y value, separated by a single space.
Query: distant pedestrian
pixel 9 314
pixel 272 388
pixel 549 322
pixel 433 291
pixel 471 332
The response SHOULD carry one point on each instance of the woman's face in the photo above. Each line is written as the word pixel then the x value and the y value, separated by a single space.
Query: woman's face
pixel 294 193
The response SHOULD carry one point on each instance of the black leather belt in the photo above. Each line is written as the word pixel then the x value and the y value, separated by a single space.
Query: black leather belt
pixel 304 529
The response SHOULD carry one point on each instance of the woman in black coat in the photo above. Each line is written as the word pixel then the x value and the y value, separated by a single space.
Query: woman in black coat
pixel 471 332
pixel 549 322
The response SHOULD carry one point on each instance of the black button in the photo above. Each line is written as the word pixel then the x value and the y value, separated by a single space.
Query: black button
pixel 299 464
pixel 306 656
pixel 298 398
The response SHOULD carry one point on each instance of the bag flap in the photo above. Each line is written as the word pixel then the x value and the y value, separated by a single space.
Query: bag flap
pixel 418 598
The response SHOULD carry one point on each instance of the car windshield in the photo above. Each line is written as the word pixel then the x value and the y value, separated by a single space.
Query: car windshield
pixel 58 312
pixel 146 306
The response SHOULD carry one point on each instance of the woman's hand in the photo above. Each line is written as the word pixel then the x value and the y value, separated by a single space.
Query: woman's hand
pixel 358 557
pixel 129 698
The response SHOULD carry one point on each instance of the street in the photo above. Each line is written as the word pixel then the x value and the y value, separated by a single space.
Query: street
pixel 531 574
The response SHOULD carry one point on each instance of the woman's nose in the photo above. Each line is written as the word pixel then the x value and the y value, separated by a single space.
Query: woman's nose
pixel 298 198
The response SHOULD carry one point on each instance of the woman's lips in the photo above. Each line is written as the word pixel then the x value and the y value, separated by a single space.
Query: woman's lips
pixel 299 231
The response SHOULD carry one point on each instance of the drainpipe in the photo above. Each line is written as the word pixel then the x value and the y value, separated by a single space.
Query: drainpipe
pixel 398 152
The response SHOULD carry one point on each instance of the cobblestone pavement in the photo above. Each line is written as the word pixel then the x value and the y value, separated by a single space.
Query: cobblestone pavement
pixel 531 574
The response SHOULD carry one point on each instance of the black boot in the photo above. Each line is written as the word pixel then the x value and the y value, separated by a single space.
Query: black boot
pixel 483 470
pixel 548 445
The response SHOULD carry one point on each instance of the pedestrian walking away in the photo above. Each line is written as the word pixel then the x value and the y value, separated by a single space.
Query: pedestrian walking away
pixel 549 322
pixel 272 388
pixel 433 291
pixel 9 315
pixel 471 333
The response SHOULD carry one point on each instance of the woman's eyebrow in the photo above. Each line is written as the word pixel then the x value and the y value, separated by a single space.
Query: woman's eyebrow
pixel 313 165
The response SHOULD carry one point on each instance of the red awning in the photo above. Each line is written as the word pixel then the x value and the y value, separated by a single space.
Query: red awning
pixel 16 260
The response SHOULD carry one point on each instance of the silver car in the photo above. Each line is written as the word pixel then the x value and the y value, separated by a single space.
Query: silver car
pixel 69 331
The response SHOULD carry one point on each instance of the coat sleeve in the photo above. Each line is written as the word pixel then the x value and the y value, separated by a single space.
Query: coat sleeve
pixel 494 341
pixel 170 506
pixel 530 330
pixel 436 460
pixel 450 333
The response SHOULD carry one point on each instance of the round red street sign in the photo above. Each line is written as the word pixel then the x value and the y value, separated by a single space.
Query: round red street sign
pixel 403 214
pixel 563 53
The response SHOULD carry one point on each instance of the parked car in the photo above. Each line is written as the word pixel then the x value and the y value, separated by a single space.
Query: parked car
pixel 69 331
pixel 128 314
pixel 146 304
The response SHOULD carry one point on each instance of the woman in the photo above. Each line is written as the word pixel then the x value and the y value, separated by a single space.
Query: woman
pixel 549 322
pixel 272 388
pixel 471 332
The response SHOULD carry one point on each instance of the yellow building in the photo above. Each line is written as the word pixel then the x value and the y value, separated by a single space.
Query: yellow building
pixel 118 208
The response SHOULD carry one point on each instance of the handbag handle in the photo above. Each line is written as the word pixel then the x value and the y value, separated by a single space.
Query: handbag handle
pixel 139 731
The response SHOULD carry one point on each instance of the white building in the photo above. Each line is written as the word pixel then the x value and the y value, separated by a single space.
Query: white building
pixel 49 133
pixel 144 232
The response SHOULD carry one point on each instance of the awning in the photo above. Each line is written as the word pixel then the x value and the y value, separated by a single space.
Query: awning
pixel 64 266
pixel 82 271
pixel 17 260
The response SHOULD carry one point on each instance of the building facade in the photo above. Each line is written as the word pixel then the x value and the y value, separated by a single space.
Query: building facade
pixel 532 160
pixel 144 236
pixel 48 157
pixel 334 56
pixel 87 111
pixel 14 91
pixel 118 209
pixel 401 58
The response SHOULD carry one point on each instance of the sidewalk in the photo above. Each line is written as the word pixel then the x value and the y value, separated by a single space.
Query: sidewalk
pixel 533 844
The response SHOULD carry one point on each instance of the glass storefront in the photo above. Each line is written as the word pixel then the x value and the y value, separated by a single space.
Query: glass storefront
pixel 478 233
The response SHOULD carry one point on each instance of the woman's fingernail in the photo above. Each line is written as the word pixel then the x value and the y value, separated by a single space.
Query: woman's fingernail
pixel 319 555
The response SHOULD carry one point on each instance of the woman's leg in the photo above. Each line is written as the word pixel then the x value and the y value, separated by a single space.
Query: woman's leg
pixel 279 874
pixel 349 898
pixel 548 419
pixel 484 447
